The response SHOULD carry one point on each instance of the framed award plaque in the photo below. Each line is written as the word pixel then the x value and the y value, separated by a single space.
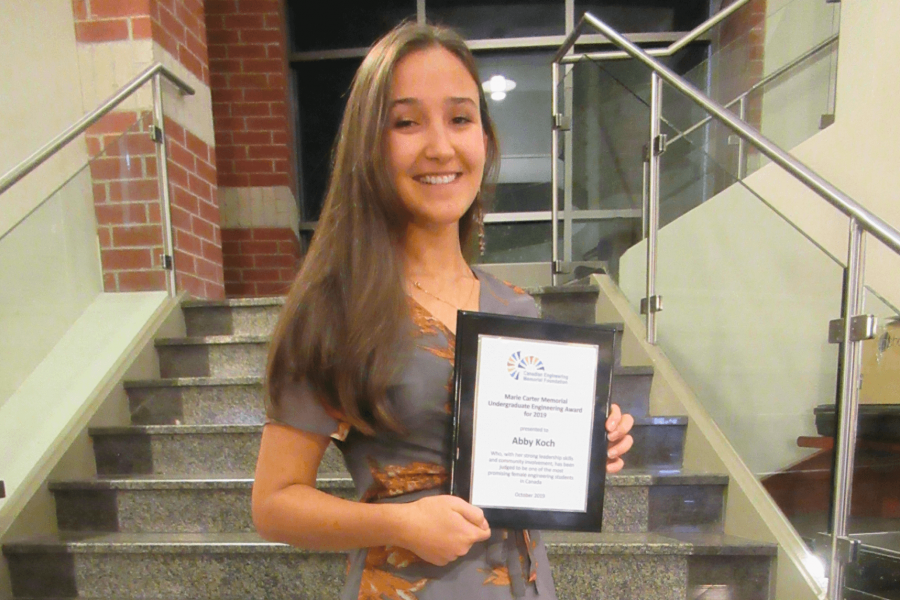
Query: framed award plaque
pixel 531 399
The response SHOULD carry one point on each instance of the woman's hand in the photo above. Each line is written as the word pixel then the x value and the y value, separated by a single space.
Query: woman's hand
pixel 617 427
pixel 440 529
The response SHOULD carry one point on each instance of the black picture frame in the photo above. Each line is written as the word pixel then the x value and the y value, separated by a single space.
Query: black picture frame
pixel 470 326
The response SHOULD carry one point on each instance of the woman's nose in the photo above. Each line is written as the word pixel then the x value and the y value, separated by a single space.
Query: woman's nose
pixel 438 145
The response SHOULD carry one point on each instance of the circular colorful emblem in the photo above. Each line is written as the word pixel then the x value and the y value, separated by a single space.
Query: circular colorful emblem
pixel 518 365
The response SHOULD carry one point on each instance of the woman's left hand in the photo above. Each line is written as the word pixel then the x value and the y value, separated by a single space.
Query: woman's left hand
pixel 617 427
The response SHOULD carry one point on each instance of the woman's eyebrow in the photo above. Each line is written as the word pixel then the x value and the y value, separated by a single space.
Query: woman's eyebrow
pixel 404 102
pixel 462 100
pixel 416 101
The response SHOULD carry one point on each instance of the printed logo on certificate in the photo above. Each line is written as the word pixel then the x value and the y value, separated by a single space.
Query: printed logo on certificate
pixel 531 399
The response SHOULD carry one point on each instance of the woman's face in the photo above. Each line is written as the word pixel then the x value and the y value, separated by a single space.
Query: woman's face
pixel 435 141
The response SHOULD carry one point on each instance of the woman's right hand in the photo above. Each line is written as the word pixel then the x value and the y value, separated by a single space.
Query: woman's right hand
pixel 440 529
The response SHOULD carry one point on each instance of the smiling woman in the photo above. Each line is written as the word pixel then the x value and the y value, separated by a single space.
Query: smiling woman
pixel 364 349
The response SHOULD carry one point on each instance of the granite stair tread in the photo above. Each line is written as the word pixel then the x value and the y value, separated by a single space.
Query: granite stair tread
pixel 192 381
pixel 558 542
pixel 254 427
pixel 212 340
pixel 625 478
pixel 251 379
pixel 235 302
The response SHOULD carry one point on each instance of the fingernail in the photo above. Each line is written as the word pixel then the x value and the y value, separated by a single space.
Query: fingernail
pixel 611 454
pixel 614 424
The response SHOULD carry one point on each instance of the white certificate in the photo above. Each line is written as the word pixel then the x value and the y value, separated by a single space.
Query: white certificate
pixel 533 422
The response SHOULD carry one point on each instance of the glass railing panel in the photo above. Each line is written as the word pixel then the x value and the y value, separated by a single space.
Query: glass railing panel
pixel 798 37
pixel 50 262
pixel 610 126
pixel 875 500
pixel 747 301
pixel 128 205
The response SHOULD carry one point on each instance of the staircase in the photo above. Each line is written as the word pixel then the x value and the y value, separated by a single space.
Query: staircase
pixel 168 516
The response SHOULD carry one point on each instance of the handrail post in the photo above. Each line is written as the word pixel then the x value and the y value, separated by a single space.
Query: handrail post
pixel 742 145
pixel 162 175
pixel 654 151
pixel 554 176
pixel 845 444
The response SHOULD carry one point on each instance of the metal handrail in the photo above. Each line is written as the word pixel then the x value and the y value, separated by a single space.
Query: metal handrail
pixel 762 82
pixel 53 146
pixel 671 49
pixel 154 73
pixel 849 207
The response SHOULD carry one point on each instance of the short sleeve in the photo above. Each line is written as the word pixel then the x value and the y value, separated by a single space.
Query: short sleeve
pixel 298 408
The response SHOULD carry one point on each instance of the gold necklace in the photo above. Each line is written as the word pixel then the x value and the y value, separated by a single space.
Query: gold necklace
pixel 419 287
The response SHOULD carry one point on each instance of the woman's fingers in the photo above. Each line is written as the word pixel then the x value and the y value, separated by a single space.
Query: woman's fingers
pixel 620 447
pixel 472 514
pixel 612 420
pixel 622 427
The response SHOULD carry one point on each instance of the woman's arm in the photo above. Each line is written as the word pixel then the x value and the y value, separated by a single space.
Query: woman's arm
pixel 288 508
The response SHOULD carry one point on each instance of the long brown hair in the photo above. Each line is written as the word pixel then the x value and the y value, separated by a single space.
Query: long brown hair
pixel 344 329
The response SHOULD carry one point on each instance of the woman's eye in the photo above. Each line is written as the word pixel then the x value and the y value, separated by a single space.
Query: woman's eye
pixel 462 119
pixel 401 123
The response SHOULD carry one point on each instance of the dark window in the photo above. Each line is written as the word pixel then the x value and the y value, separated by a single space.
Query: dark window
pixel 491 19
pixel 636 16
pixel 322 90
pixel 344 24
pixel 522 120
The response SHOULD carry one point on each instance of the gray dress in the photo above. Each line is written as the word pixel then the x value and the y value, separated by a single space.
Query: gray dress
pixel 389 468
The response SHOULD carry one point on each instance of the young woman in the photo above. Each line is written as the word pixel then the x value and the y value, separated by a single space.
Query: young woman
pixel 363 352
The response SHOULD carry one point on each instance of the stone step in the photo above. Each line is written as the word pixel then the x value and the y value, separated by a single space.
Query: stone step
pixel 213 356
pixel 208 400
pixel 241 565
pixel 204 449
pixel 197 401
pixel 240 316
pixel 635 502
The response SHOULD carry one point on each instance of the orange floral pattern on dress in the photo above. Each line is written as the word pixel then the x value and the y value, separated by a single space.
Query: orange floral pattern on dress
pixel 396 480
pixel 530 545
pixel 428 325
pixel 381 585
pixel 395 556
pixel 515 288
pixel 496 576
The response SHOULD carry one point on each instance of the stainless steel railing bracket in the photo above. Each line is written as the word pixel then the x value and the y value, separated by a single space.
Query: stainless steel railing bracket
pixel 862 327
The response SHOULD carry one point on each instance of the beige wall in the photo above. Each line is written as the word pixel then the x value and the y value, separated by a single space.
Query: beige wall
pixel 41 97
pixel 747 297
pixel 49 265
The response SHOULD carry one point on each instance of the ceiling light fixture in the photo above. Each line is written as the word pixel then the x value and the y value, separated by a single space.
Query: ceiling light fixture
pixel 497 86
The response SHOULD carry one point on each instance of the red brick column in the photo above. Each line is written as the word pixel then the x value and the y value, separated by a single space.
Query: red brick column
pixel 254 143
pixel 125 190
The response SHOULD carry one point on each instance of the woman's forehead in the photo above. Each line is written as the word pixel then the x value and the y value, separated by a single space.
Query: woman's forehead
pixel 430 74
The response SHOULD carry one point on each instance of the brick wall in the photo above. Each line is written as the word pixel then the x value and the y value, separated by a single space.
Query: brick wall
pixel 247 54
pixel 176 25
pixel 126 202
pixel 126 194
pixel 261 261
pixel 254 144
pixel 195 213
pixel 111 20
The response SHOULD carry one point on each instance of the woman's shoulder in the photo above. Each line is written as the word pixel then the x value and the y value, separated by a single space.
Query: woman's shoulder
pixel 501 297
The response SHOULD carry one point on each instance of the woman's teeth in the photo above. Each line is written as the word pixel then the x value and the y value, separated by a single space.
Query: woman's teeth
pixel 437 179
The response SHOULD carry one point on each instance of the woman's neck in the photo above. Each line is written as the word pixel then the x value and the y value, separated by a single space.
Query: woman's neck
pixel 434 254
